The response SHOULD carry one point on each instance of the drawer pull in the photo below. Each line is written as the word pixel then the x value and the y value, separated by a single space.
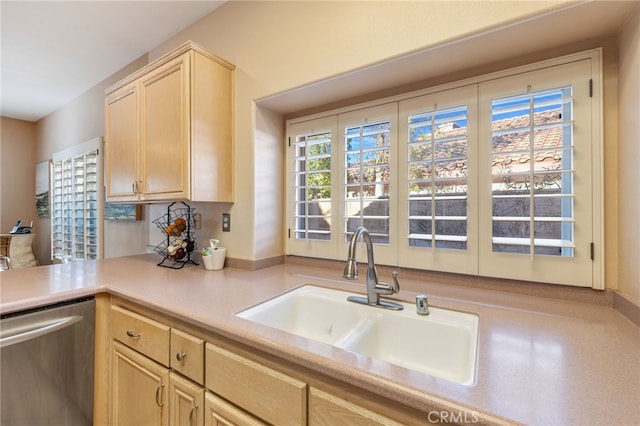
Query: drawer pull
pixel 159 401
pixel 192 415
pixel 180 356
pixel 133 334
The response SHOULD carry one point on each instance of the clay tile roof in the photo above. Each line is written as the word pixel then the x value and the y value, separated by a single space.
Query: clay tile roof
pixel 513 148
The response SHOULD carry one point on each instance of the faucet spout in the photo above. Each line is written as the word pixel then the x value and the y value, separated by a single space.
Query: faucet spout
pixel 374 288
pixel 351 269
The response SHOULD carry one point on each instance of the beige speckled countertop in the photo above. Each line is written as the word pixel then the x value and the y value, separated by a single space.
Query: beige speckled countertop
pixel 540 360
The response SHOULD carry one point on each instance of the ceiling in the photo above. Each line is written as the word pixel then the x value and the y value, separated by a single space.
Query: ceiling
pixel 53 51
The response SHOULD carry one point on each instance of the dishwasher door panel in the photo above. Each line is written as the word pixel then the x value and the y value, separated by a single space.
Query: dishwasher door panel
pixel 47 366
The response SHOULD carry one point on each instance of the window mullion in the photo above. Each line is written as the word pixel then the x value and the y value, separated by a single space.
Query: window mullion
pixel 433 178
pixel 532 167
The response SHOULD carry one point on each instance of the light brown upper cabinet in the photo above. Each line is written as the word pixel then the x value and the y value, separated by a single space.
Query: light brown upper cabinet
pixel 168 130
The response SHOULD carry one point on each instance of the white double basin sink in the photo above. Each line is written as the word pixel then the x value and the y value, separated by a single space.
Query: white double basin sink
pixel 442 344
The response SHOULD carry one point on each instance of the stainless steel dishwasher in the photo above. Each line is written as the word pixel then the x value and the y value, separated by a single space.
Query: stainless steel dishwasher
pixel 46 366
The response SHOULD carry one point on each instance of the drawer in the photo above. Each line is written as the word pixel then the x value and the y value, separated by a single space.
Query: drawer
pixel 145 335
pixel 187 355
pixel 266 393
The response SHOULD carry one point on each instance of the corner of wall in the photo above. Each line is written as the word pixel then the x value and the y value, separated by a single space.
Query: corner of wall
pixel 628 270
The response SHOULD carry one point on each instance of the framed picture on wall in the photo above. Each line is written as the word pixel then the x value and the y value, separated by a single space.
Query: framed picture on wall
pixel 122 211
pixel 43 173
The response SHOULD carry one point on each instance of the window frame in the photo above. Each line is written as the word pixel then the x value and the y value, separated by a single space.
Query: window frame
pixel 470 262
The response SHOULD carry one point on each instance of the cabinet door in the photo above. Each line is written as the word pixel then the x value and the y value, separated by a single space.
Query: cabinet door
pixel 138 389
pixel 165 111
pixel 121 146
pixel 219 412
pixel 187 402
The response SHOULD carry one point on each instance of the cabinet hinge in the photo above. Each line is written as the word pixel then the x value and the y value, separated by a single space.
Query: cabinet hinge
pixel 593 251
pixel 591 88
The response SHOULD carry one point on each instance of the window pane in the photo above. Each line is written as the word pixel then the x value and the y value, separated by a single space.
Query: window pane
pixel 532 168
pixel 437 178
pixel 313 186
pixel 367 177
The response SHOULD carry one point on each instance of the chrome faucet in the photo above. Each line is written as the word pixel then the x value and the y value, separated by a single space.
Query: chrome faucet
pixel 374 288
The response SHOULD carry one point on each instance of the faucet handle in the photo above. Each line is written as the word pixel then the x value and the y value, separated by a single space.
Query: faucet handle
pixel 396 284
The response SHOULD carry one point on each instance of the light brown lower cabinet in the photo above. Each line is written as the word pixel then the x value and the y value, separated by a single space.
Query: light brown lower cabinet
pixel 139 389
pixel 208 381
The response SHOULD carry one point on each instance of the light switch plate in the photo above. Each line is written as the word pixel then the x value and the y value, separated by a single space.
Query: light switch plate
pixel 226 222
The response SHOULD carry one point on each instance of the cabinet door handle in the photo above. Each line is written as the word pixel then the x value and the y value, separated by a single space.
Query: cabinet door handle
pixel 159 401
pixel 192 415
pixel 181 355
pixel 134 188
pixel 133 334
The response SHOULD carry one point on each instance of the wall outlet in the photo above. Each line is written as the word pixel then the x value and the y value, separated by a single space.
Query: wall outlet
pixel 226 222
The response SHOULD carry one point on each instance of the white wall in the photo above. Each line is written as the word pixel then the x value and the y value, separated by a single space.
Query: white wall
pixel 629 156
pixel 17 172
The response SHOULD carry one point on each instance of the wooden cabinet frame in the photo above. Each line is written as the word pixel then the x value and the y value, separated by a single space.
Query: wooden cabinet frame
pixel 168 130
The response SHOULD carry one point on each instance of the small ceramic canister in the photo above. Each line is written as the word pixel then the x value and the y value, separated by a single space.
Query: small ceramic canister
pixel 214 256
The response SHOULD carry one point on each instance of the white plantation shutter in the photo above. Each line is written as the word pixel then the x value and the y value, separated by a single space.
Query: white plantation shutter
pixel 499 176
pixel 367 176
pixel 439 184
pixel 537 213
pixel 311 170
pixel 76 203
